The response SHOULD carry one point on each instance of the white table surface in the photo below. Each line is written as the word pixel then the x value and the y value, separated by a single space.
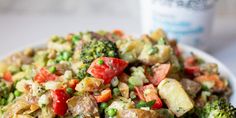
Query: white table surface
pixel 19 29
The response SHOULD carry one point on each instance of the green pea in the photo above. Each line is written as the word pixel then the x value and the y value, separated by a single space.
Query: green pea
pixel 69 90
pixel 111 53
pixel 116 92
pixel 100 62
pixel 52 69
pixel 17 93
pixel 59 58
pixel 111 112
pixel 103 105
pixel 3 101
pixel 66 55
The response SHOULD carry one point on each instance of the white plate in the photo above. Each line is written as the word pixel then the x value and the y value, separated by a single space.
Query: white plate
pixel 224 71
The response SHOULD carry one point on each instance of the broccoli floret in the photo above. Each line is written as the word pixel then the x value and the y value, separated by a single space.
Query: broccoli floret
pixel 219 108
pixel 82 71
pixel 94 49
pixel 98 48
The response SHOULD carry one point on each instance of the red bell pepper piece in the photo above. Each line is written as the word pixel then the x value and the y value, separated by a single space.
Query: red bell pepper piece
pixel 7 76
pixel 149 93
pixel 105 96
pixel 44 76
pixel 159 74
pixel 110 68
pixel 59 102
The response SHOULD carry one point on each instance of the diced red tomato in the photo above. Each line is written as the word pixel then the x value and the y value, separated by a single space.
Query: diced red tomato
pixel 149 93
pixel 110 68
pixel 72 83
pixel 105 96
pixel 159 74
pixel 7 76
pixel 190 66
pixel 118 33
pixel 44 76
pixel 59 102
pixel 139 91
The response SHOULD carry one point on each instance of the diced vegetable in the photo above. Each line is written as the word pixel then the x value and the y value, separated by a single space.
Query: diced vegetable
pixel 89 84
pixel 137 113
pixel 163 54
pixel 43 100
pixel 191 87
pixel 211 81
pixel 59 102
pixel 137 77
pixel 7 76
pixel 52 85
pixel 114 82
pixel 111 112
pixel 118 32
pixel 129 49
pixel 44 76
pixel 190 65
pixel 159 74
pixel 111 68
pixel 105 96
pixel 149 93
pixel 124 89
pixel 116 92
pixel 175 97
pixel 72 83
pixel 121 103
pixel 83 104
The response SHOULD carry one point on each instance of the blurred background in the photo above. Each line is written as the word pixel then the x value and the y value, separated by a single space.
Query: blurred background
pixel 27 22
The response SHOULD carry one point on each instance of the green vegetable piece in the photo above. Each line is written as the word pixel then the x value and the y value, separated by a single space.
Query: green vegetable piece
pixel 75 38
pixel 69 90
pixel 17 93
pixel 131 87
pixel 97 48
pixel 145 104
pixel 132 95
pixel 151 103
pixel 10 98
pixel 116 92
pixel 218 108
pixel 141 104
pixel 111 53
pixel 161 41
pixel 111 112
pixel 3 101
pixel 52 69
pixel 152 51
pixel 100 62
pixel 66 55
pixel 135 81
pixel 103 105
